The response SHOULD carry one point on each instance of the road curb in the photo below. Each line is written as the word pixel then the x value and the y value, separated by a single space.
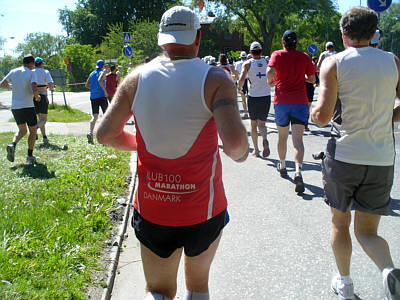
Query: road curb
pixel 116 250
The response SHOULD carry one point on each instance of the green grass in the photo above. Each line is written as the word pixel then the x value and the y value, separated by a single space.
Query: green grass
pixel 61 113
pixel 56 215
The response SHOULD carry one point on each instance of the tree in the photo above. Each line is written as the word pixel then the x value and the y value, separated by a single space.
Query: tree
pixel 91 19
pixel 262 19
pixel 7 64
pixel 44 45
pixel 82 63
pixel 390 26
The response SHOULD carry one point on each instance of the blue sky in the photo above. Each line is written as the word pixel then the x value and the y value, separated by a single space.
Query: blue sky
pixel 20 17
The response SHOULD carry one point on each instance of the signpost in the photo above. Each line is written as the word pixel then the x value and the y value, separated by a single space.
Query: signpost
pixel 312 48
pixel 128 50
pixel 127 37
pixel 59 78
pixel 379 5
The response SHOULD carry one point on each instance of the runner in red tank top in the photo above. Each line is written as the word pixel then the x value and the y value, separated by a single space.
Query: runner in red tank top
pixel 172 183
pixel 112 82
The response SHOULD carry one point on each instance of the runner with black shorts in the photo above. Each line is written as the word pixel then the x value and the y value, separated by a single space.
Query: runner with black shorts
pixel 22 107
pixel 180 203
pixel 243 92
pixel 98 95
pixel 43 79
pixel 259 100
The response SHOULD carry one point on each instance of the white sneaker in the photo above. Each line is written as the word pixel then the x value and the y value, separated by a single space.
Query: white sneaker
pixel 344 291
pixel 391 284
pixel 31 159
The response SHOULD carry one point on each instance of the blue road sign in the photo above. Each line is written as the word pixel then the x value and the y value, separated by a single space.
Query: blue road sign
pixel 312 48
pixel 379 5
pixel 128 50
pixel 127 37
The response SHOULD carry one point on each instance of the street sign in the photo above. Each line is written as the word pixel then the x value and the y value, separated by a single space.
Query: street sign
pixel 379 5
pixel 59 76
pixel 127 37
pixel 128 50
pixel 312 48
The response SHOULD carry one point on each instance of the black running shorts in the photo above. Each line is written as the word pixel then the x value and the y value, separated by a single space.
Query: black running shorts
pixel 42 106
pixel 25 116
pixel 365 187
pixel 259 107
pixel 97 103
pixel 164 240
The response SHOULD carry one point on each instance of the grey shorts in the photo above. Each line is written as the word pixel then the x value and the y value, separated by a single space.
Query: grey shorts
pixel 367 188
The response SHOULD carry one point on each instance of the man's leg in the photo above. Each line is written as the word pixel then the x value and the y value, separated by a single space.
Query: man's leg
pixel 366 231
pixel 297 138
pixel 263 130
pixel 92 123
pixel 341 240
pixel 22 131
pixel 254 137
pixel 160 273
pixel 41 123
pixel 244 103
pixel 283 133
pixel 32 137
pixel 197 271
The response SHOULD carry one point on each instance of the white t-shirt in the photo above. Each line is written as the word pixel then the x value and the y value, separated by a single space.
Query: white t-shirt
pixel 42 77
pixel 238 66
pixel 257 74
pixel 362 128
pixel 22 95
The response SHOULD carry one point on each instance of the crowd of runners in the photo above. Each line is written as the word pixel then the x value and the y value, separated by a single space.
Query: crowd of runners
pixel 180 204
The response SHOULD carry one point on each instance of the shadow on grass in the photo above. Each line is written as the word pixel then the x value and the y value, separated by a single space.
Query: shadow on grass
pixel 50 146
pixel 35 171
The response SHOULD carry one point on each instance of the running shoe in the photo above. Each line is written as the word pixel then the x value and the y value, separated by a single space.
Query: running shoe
pixel 266 150
pixel 318 155
pixel 246 116
pixel 89 138
pixel 298 181
pixel 281 170
pixel 10 152
pixel 31 159
pixel 45 140
pixel 391 284
pixel 344 291
pixel 256 153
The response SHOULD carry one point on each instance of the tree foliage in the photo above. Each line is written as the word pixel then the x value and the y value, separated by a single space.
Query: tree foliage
pixel 82 58
pixel 91 19
pixel 390 26
pixel 7 64
pixel 264 19
pixel 44 45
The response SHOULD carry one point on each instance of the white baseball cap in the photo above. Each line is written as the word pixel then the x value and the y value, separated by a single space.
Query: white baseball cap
pixel 329 44
pixel 243 54
pixel 255 46
pixel 178 25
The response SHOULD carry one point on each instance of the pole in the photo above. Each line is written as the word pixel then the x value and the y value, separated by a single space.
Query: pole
pixel 52 100
pixel 65 100
pixel 327 27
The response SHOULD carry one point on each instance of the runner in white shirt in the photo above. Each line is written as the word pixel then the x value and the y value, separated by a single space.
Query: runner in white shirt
pixel 243 93
pixel 43 80
pixel 22 106
pixel 259 100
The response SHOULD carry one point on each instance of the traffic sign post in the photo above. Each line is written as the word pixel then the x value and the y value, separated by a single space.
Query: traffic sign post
pixel 127 50
pixel 312 48
pixel 127 37
pixel 379 5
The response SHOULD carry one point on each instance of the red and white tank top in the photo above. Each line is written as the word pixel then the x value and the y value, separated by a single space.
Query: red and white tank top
pixel 179 167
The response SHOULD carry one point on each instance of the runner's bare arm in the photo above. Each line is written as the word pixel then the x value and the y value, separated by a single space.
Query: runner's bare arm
pixel 4 84
pixel 111 129
pixel 35 91
pixel 396 111
pixel 87 84
pixel 221 98
pixel 327 96
pixel 101 82
pixel 243 74
pixel 320 60
pixel 271 76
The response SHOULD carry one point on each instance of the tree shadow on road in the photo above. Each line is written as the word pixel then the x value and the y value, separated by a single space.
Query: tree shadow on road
pixel 35 171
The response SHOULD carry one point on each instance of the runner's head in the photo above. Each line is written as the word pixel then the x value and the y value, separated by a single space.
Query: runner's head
pixel 100 64
pixel 243 55
pixel 289 39
pixel 329 46
pixel 223 60
pixel 359 24
pixel 179 33
pixel 113 69
pixel 39 62
pixel 28 61
pixel 255 49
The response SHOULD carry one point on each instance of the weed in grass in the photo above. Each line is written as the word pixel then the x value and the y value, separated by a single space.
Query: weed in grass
pixel 55 216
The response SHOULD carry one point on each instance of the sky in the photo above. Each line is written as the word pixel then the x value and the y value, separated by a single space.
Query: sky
pixel 20 17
